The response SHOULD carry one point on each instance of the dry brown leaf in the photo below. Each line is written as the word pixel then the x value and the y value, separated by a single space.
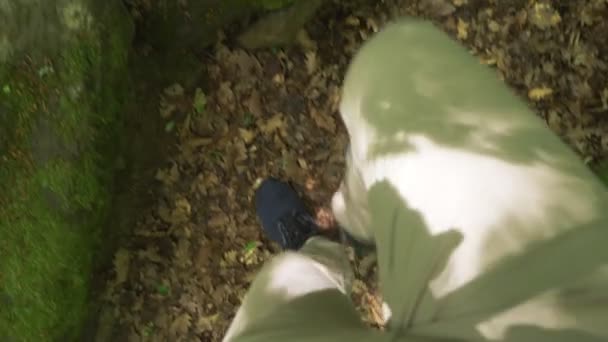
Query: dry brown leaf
pixel 180 325
pixel 463 29
pixel 324 121
pixel 246 63
pixel 174 90
pixel 168 176
pixel 302 163
pixel 150 254
pixel 231 257
pixel 274 123
pixel 182 253
pixel 494 26
pixel 544 16
pixel 278 78
pixel 352 21
pixel 522 17
pixel 203 256
pixel 181 212
pixel 254 104
pixel 166 109
pixel 311 62
pixel 206 323
pixel 291 167
pixel 372 25
pixel 226 95
pixel 218 220
pixel 540 93
pixel 122 261
pixel 198 142
pixel 247 135
pixel 237 152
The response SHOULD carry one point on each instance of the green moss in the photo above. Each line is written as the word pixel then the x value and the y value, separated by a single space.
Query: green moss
pixel 53 205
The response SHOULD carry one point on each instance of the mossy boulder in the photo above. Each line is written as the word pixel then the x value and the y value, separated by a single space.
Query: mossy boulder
pixel 194 24
pixel 62 88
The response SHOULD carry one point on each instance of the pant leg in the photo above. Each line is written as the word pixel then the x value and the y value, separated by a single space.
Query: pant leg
pixel 320 265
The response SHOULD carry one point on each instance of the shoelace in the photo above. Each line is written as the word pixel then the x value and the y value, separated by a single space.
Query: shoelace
pixel 295 229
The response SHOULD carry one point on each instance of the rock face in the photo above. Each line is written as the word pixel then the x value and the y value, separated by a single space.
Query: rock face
pixel 62 87
pixel 280 27
pixel 194 24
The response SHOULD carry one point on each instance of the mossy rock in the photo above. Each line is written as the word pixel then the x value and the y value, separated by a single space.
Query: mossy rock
pixel 62 89
pixel 194 25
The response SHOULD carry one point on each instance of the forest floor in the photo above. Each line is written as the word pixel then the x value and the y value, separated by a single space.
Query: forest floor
pixel 193 254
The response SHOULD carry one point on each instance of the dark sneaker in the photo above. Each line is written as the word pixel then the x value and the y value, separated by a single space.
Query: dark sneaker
pixel 283 215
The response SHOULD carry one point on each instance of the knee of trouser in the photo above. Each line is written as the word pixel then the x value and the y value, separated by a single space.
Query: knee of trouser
pixel 293 274
pixel 351 213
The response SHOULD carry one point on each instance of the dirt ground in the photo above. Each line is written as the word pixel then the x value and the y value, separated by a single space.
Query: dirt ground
pixel 193 254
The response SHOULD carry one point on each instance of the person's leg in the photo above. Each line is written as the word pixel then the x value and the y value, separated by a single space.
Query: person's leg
pixel 312 264
pixel 320 265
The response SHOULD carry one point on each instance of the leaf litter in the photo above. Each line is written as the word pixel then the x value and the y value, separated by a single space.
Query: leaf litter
pixel 182 274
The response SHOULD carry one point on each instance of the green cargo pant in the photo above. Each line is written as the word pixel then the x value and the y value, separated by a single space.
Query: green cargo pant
pixel 487 226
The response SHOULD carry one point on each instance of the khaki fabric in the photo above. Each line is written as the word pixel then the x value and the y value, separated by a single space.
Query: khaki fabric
pixel 487 226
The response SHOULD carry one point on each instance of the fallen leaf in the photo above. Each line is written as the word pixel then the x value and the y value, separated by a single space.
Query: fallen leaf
pixel 463 29
pixel 168 176
pixel 231 257
pixel 198 142
pixel 206 323
pixel 311 62
pixel 203 256
pixel 180 325
pixel 544 16
pixel 218 220
pixel 225 95
pixel 182 253
pixel 494 26
pixel 166 109
pixel 352 21
pixel 174 90
pixel 324 121
pixel 274 123
pixel 247 135
pixel 291 167
pixel 247 64
pixel 254 104
pixel 539 93
pixel 372 25
pixel 278 79
pixel 178 215
pixel 150 254
pixel 302 163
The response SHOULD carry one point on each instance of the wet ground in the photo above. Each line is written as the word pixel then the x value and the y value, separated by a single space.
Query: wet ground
pixel 181 274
